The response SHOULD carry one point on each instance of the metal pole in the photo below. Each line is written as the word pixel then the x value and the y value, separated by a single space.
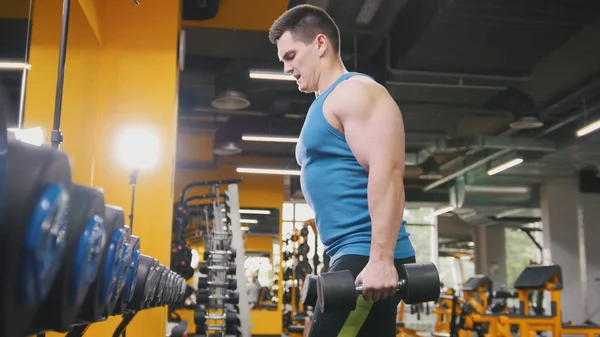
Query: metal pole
pixel 56 136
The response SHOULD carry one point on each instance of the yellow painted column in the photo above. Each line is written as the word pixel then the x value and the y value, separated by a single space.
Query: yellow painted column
pixel 138 89
pixel 121 72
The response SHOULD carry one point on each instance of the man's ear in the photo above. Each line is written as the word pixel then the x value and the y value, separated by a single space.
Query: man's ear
pixel 322 44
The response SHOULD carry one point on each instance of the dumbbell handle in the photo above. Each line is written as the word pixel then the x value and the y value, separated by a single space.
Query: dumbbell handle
pixel 215 317
pixel 401 285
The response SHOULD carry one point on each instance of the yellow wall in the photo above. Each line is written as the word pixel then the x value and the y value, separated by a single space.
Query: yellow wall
pixel 15 9
pixel 121 71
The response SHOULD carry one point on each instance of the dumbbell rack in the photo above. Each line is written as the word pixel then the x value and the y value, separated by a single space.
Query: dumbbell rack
pixel 216 313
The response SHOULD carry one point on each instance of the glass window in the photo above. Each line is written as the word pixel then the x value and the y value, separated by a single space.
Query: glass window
pixel 303 212
pixel 288 211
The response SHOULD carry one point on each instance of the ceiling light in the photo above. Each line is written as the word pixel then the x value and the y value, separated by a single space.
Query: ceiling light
pixel 442 210
pixel 244 228
pixel 14 65
pixel 588 128
pixel 275 139
pixel 505 166
pixel 248 221
pixel 255 211
pixel 497 189
pixel 270 75
pixel 268 171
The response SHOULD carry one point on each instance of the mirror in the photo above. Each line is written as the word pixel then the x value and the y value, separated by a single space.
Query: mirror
pixel 15 32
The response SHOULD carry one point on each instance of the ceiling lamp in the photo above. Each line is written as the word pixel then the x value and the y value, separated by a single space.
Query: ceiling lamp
pixel 231 100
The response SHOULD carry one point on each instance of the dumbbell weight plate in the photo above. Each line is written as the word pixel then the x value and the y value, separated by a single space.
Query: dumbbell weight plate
pixel 234 297
pixel 86 238
pixel 309 291
pixel 130 276
pixel 124 265
pixel 200 316
pixel 422 282
pixel 32 230
pixel 336 291
pixel 160 288
pixel 231 326
pixel 114 262
pixel 156 275
pixel 143 283
pixel 95 304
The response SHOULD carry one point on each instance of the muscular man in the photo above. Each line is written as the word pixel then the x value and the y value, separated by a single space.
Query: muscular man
pixel 351 150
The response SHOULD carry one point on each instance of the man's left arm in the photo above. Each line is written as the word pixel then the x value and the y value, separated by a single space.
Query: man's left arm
pixel 374 130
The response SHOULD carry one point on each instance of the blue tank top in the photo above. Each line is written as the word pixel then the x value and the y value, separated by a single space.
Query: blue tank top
pixel 335 187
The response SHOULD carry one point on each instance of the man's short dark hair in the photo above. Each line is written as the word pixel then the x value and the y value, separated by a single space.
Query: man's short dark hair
pixel 305 22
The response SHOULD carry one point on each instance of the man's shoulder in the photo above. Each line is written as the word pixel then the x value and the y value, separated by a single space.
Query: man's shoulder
pixel 358 92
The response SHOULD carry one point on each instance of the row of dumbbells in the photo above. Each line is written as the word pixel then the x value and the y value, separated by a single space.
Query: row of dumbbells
pixel 67 257
pixel 227 325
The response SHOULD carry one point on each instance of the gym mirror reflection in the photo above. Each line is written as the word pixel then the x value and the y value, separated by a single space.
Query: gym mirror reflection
pixel 15 27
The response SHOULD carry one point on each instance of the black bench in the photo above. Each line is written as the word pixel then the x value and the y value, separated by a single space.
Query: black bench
pixel 535 277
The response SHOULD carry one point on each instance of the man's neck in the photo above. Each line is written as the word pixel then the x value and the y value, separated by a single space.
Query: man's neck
pixel 329 75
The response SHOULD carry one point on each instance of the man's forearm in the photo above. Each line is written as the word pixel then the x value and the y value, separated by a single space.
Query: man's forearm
pixel 386 206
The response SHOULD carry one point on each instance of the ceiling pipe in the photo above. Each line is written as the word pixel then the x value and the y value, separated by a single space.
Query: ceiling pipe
pixel 406 72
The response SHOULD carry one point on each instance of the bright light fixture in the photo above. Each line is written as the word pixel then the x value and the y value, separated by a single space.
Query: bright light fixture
pixel 33 136
pixel 442 210
pixel 14 65
pixel 505 166
pixel 244 228
pixel 248 221
pixel 270 75
pixel 255 211
pixel 588 128
pixel 268 171
pixel 138 148
pixel 497 189
pixel 274 139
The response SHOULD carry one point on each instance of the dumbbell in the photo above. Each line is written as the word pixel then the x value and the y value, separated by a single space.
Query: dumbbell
pixel 85 237
pixel 95 305
pixel 231 254
pixel 309 290
pixel 230 268
pixel 156 301
pixel 122 254
pixel 203 296
pixel 336 291
pixel 33 222
pixel 146 279
pixel 229 322
pixel 130 276
pixel 204 283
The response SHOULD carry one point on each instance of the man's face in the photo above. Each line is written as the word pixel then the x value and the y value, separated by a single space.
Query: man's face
pixel 300 60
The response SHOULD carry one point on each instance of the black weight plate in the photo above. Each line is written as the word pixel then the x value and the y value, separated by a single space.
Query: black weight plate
pixel 336 291
pixel 154 278
pixel 160 288
pixel 304 232
pixel 130 276
pixel 202 282
pixel 200 316
pixel 231 326
pixel 120 239
pixel 139 294
pixel 203 268
pixel 37 183
pixel 309 290
pixel 86 238
pixel 202 296
pixel 231 269
pixel 232 284
pixel 422 282
pixel 234 297
pixel 94 306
